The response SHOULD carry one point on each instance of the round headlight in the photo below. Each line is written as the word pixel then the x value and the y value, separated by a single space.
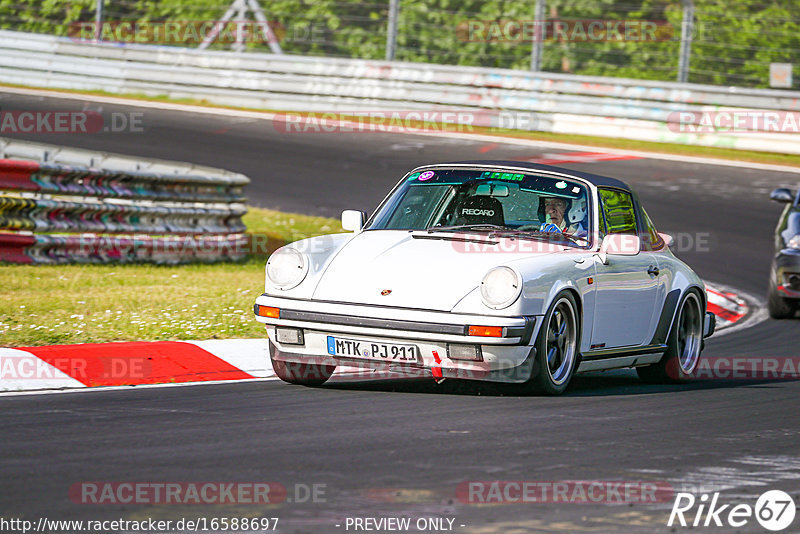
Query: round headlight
pixel 286 268
pixel 500 287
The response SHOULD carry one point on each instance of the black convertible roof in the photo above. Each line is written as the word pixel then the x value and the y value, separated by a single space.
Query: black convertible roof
pixel 596 179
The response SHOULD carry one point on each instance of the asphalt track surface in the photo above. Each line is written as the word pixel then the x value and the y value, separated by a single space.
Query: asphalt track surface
pixel 402 447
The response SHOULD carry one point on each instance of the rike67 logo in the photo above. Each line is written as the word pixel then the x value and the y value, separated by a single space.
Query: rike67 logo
pixel 774 510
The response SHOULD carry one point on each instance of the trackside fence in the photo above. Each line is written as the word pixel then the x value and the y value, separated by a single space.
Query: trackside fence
pixel 96 208
pixel 732 117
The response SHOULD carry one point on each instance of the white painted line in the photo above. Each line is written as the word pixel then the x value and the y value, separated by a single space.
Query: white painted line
pixel 264 115
pixel 84 389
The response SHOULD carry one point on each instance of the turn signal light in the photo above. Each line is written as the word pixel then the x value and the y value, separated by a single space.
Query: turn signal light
pixel 464 352
pixel 289 336
pixel 486 331
pixel 268 311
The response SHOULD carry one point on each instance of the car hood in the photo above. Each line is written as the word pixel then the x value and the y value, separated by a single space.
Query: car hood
pixel 417 269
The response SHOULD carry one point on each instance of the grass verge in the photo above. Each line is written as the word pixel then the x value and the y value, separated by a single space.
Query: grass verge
pixel 45 305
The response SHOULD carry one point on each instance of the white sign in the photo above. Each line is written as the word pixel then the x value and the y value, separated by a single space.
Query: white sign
pixel 780 75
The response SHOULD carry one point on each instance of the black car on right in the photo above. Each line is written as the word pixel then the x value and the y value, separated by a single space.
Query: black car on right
pixel 784 285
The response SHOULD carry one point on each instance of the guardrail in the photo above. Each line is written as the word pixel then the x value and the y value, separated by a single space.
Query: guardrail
pixel 164 213
pixel 610 107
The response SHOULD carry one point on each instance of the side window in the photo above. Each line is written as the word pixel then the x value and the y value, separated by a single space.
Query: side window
pixel 618 212
pixel 653 241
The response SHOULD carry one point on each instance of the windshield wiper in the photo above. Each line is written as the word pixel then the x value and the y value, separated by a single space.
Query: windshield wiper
pixel 506 231
pixel 539 235
pixel 488 227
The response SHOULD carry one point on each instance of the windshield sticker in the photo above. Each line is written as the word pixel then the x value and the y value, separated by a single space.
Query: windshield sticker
pixel 561 185
pixel 427 175
pixel 510 176
pixel 414 176
pixel 576 190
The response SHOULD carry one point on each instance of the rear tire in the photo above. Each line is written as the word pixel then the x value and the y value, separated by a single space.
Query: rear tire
pixel 303 374
pixel 557 347
pixel 779 307
pixel 684 346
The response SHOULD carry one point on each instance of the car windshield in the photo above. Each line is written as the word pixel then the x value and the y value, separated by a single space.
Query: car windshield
pixel 525 204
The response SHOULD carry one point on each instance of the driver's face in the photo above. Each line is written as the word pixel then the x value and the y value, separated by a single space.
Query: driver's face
pixel 555 208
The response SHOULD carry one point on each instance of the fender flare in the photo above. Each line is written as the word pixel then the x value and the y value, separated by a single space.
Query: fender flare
pixel 672 303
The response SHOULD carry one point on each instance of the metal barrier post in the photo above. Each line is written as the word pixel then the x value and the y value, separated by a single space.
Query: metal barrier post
pixel 687 27
pixel 538 37
pixel 98 21
pixel 391 31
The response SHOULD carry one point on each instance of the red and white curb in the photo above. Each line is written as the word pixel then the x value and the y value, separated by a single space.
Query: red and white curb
pixel 735 309
pixel 142 364
pixel 729 307
pixel 132 364
pixel 578 157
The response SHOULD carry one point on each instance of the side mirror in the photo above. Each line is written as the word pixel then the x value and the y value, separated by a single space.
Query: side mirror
pixel 668 239
pixel 353 220
pixel 619 245
pixel 781 195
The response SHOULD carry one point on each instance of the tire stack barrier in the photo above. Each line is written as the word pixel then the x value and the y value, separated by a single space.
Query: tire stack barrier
pixel 55 213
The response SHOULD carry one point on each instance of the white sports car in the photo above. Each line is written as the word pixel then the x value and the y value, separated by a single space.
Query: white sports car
pixel 488 270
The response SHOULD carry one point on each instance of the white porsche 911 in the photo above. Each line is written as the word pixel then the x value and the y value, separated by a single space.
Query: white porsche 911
pixel 488 270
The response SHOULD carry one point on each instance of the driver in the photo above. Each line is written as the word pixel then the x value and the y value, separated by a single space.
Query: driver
pixel 554 209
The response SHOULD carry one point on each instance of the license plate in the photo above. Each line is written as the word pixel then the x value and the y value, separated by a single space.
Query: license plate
pixel 368 349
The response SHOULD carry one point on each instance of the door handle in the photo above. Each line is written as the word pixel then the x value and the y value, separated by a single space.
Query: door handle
pixel 653 271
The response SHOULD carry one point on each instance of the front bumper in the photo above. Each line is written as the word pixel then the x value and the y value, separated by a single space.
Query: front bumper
pixel 506 358
pixel 785 266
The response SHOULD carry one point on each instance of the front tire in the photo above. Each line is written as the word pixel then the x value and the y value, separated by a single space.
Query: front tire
pixel 557 346
pixel 779 307
pixel 683 348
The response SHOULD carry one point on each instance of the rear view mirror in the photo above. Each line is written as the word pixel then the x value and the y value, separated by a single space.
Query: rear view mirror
pixel 492 190
pixel 353 220
pixel 668 239
pixel 621 244
pixel 782 195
